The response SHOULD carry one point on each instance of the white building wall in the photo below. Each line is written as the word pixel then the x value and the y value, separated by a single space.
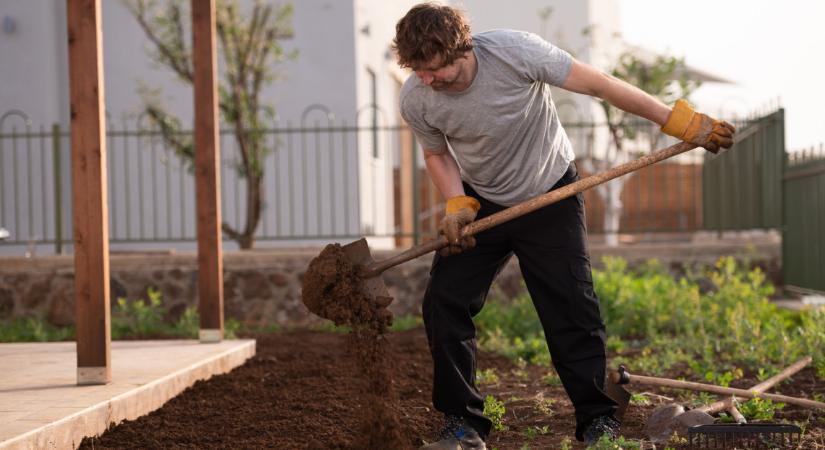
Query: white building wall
pixel 32 64
pixel 377 99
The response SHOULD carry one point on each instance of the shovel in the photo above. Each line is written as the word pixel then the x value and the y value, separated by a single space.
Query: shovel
pixel 670 418
pixel 343 283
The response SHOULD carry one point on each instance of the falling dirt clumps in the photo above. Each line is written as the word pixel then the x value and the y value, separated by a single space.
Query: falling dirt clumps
pixel 332 289
pixel 379 426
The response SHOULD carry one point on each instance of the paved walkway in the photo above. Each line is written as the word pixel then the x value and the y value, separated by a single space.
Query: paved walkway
pixel 42 407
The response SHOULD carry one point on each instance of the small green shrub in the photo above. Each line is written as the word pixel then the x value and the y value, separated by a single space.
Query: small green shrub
pixel 188 324
pixel 494 410
pixel 138 318
pixel 759 408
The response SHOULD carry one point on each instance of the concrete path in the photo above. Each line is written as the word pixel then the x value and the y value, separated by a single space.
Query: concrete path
pixel 42 407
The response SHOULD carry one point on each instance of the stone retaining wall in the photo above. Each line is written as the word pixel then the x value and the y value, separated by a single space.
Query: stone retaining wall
pixel 264 286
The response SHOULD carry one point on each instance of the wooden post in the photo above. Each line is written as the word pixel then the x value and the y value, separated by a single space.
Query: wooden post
pixel 207 172
pixel 406 169
pixel 90 210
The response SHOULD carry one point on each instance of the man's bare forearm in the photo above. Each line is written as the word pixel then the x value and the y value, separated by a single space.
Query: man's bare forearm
pixel 443 170
pixel 586 79
pixel 635 101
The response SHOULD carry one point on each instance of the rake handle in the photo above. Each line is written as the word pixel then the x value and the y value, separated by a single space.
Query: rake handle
pixel 744 393
pixel 529 206
pixel 761 387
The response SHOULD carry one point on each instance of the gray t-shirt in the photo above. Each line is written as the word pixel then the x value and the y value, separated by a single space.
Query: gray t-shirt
pixel 504 130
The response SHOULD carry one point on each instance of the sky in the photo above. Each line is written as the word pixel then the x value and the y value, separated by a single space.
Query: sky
pixel 771 49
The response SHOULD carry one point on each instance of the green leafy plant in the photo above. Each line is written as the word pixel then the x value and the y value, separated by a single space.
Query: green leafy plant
pixel 33 329
pixel 494 410
pixel 723 379
pixel 615 344
pixel 543 406
pixel 759 409
pixel 130 319
pixel 487 376
pixel 531 432
pixel 620 443
pixel 512 329
pixel 639 399
pixel 138 318
pixel 522 375
pixel 551 378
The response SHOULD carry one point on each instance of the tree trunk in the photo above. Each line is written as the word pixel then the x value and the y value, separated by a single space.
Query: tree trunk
pixel 612 211
pixel 254 197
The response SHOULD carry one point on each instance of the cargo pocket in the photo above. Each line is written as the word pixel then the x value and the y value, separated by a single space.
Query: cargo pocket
pixel 584 309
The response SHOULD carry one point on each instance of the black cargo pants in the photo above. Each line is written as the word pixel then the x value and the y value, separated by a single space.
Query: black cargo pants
pixel 550 245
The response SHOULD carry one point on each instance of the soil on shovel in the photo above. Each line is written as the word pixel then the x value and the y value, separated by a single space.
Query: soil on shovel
pixel 332 289
pixel 300 392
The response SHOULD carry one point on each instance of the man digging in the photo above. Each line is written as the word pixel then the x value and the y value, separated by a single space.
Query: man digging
pixel 487 96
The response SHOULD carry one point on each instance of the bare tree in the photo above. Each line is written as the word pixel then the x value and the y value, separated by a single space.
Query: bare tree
pixel 250 50
pixel 664 77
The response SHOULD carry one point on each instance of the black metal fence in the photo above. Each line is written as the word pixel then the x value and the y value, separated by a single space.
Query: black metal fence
pixel 324 180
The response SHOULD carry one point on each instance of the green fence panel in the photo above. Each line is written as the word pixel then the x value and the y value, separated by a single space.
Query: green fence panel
pixel 742 187
pixel 803 238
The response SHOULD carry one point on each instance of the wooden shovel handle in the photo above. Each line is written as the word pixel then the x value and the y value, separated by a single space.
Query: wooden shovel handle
pixel 529 206
pixel 761 387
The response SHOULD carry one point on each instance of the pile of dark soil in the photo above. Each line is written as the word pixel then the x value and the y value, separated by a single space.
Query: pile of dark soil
pixel 333 290
pixel 301 391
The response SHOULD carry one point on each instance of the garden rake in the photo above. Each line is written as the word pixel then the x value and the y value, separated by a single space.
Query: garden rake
pixel 769 436
pixel 698 424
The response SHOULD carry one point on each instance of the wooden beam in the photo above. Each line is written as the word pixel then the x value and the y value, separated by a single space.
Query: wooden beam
pixel 89 197
pixel 207 172
pixel 406 168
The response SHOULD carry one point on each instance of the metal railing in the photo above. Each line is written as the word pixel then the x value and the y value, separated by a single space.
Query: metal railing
pixel 323 181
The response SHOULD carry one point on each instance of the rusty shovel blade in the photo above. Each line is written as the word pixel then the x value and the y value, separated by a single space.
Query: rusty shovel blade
pixel 619 395
pixel 373 287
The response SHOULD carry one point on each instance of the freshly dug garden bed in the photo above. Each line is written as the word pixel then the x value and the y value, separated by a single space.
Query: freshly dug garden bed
pixel 301 391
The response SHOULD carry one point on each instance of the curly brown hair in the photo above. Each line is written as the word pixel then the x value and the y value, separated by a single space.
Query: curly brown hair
pixel 430 30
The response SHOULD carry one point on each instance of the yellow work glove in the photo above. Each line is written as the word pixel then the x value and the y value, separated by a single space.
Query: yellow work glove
pixel 461 211
pixel 690 126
